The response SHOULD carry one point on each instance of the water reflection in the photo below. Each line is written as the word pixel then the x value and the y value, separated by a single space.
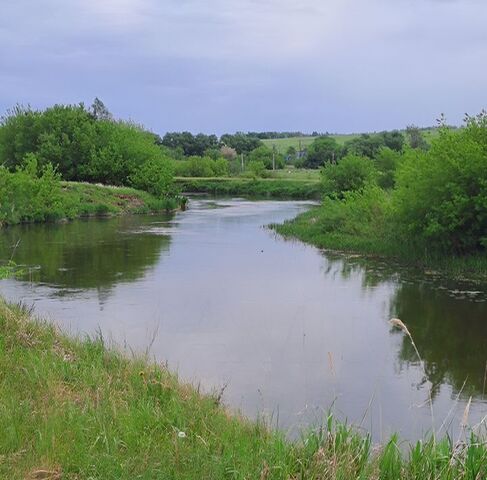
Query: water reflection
pixel 447 321
pixel 451 336
pixel 85 254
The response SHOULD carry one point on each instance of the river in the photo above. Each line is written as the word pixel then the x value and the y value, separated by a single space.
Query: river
pixel 287 332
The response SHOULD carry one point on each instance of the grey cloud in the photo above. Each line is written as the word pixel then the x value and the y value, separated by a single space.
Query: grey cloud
pixel 223 65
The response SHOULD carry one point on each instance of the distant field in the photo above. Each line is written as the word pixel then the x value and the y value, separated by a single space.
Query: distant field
pixel 282 144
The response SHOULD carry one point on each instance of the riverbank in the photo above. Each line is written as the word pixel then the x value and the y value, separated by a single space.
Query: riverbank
pixel 76 199
pixel 281 188
pixel 73 409
pixel 367 234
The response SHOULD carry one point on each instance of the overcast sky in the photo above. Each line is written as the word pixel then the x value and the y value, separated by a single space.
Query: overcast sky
pixel 226 65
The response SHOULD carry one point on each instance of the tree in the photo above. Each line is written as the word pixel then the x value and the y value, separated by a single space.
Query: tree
pixel 228 152
pixel 393 140
pixel 322 150
pixel 266 156
pixel 351 174
pixel 416 139
pixel 387 162
pixel 241 142
pixel 365 145
pixel 100 111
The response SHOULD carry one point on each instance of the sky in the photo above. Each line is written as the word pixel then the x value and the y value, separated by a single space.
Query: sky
pixel 219 66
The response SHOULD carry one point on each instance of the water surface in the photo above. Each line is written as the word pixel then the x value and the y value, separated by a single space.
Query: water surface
pixel 291 332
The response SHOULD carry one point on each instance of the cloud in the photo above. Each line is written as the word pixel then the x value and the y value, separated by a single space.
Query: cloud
pixel 246 64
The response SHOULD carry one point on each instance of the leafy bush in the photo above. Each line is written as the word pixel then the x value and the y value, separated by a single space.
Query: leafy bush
pixel 26 195
pixel 266 156
pixel 256 168
pixel 441 194
pixel 387 161
pixel 201 167
pixel 154 176
pixel 80 145
pixel 350 174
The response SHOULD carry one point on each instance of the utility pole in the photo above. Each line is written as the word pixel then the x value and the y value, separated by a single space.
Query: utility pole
pixel 242 162
pixel 273 157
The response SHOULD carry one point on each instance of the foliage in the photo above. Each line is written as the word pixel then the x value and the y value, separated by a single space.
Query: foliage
pixel 153 176
pixel 351 173
pixel 82 145
pixel 257 168
pixel 441 194
pixel 387 161
pixel 416 139
pixel 100 111
pixel 241 142
pixel 190 144
pixel 322 150
pixel 266 156
pixel 228 152
pixel 33 194
pixel 201 167
pixel 29 196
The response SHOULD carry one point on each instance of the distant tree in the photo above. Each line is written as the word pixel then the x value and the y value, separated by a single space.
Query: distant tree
pixel 416 139
pixel 190 144
pixel 322 150
pixel 241 142
pixel 100 111
pixel 228 152
pixel 265 155
pixel 365 145
pixel 387 162
pixel 394 140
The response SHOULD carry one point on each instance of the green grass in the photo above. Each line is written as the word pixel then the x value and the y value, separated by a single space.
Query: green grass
pixel 90 199
pixel 282 144
pixel 366 231
pixel 72 409
pixel 283 188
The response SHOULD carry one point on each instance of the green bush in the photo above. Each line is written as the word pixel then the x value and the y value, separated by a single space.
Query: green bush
pixel 350 174
pixel 256 168
pixel 201 167
pixel 441 195
pixel 153 176
pixel 81 146
pixel 387 161
pixel 27 195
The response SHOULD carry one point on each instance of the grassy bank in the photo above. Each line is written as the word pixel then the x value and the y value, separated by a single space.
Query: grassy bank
pixel 71 409
pixel 264 187
pixel 366 231
pixel 69 200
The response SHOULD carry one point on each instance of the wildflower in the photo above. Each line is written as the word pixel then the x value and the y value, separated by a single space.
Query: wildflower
pixel 181 434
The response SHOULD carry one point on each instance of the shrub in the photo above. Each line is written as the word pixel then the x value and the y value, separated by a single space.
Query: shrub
pixel 28 195
pixel 387 161
pixel 350 174
pixel 153 176
pixel 441 195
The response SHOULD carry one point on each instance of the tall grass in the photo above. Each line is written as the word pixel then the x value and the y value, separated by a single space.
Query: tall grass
pixel 73 409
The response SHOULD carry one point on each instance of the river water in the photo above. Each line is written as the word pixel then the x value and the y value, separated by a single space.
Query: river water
pixel 288 332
